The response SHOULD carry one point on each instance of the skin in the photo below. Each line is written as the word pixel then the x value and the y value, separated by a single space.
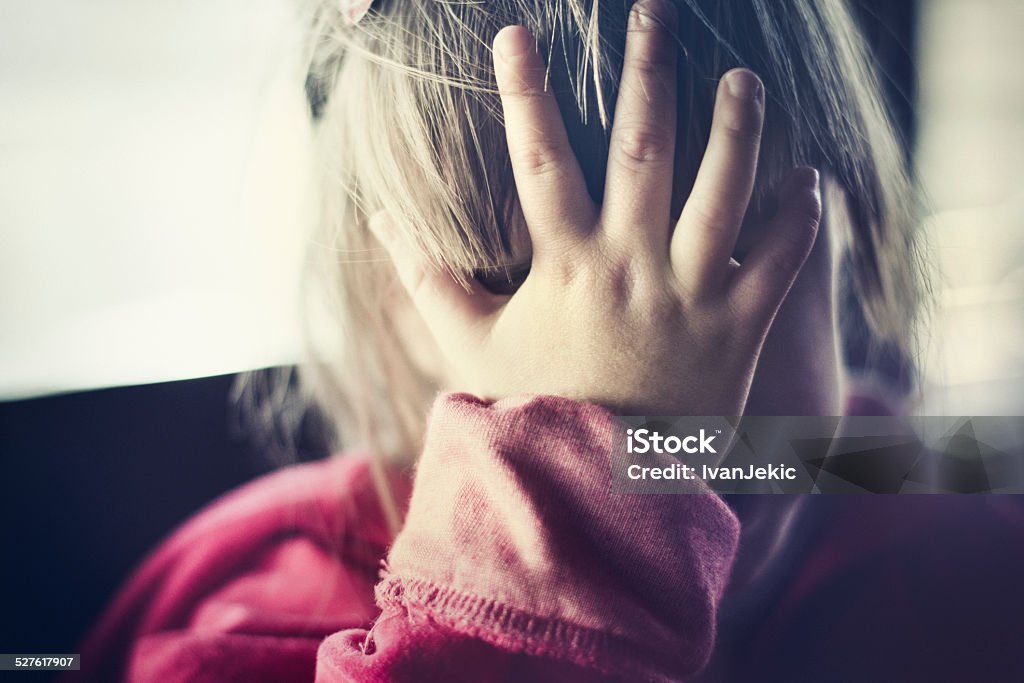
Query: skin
pixel 799 371
pixel 623 306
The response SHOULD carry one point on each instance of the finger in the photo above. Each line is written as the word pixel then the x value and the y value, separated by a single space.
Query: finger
pixel 453 314
pixel 552 192
pixel 767 273
pixel 641 161
pixel 710 222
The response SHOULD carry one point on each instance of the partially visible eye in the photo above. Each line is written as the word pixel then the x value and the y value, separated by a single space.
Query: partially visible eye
pixel 502 280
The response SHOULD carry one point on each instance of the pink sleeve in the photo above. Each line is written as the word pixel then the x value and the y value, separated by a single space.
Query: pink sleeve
pixel 248 588
pixel 517 562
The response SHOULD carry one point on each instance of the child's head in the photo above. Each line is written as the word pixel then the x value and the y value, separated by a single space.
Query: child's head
pixel 410 123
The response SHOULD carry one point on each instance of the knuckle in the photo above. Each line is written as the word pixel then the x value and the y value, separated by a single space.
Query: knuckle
pixel 630 281
pixel 538 158
pixel 807 228
pixel 807 208
pixel 741 134
pixel 621 285
pixel 706 213
pixel 568 265
pixel 656 57
pixel 643 144
pixel 796 243
pixel 798 220
pixel 523 86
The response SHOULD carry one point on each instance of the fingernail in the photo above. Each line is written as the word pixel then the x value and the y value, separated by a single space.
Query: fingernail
pixel 651 13
pixel 744 85
pixel 514 41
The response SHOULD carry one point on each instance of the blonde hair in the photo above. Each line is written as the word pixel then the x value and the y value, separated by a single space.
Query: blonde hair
pixel 409 122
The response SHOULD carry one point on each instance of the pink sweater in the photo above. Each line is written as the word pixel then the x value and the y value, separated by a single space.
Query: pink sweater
pixel 515 563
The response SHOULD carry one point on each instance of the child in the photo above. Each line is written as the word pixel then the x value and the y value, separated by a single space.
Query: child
pixel 560 230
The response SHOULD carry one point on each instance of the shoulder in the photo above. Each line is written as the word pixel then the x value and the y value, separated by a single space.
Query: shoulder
pixel 331 502
pixel 319 499
pixel 280 561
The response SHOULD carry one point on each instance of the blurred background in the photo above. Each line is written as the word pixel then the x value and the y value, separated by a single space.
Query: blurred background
pixel 155 197
pixel 969 152
pixel 154 190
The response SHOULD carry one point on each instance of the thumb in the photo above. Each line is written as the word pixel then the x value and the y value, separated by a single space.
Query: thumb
pixel 451 312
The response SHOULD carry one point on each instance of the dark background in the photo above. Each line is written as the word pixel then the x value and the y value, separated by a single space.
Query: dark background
pixel 93 480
